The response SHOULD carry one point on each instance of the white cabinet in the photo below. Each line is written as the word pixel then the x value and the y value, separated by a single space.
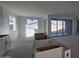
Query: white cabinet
pixel 59 52
pixel 52 53
pixel 1 14
pixel 1 20
pixel 5 44
pixel 2 46
pixel 8 43
pixel 4 21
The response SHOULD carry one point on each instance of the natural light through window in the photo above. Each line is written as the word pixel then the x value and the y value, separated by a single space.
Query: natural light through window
pixel 57 27
pixel 12 23
pixel 31 25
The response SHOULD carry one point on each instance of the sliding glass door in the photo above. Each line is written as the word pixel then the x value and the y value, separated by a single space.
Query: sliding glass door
pixel 61 27
pixel 64 27
pixel 54 27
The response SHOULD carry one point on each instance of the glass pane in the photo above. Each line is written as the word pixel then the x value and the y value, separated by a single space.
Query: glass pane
pixel 31 25
pixel 54 27
pixel 59 28
pixel 12 23
pixel 64 32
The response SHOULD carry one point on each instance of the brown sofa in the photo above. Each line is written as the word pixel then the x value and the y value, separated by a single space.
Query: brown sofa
pixel 40 36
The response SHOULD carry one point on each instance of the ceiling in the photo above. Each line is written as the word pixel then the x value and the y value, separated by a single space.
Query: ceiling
pixel 42 8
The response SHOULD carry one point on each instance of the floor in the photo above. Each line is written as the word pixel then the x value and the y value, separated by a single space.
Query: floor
pixel 72 42
pixel 24 48
pixel 21 49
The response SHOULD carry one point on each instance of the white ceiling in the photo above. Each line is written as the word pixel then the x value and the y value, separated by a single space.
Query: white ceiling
pixel 42 8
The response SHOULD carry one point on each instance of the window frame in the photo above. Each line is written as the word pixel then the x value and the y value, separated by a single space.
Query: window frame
pixel 31 26
pixel 12 21
pixel 63 30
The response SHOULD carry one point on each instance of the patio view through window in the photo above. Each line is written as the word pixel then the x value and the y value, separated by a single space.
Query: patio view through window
pixel 31 25
pixel 57 27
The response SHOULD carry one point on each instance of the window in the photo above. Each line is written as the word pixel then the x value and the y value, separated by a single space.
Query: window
pixel 61 27
pixel 54 27
pixel 57 27
pixel 12 23
pixel 64 28
pixel 31 25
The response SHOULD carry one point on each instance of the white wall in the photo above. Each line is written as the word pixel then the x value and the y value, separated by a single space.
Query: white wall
pixel 21 21
pixel 4 24
pixel 14 34
pixel 4 21
pixel 40 26
pixel 22 29
pixel 1 21
pixel 52 53
pixel 6 29
pixel 74 26
pixel 47 25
